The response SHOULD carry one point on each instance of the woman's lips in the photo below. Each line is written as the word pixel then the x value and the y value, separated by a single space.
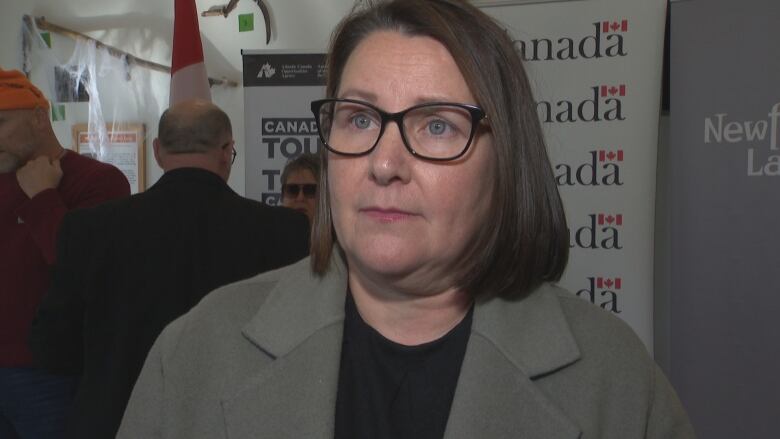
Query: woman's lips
pixel 386 214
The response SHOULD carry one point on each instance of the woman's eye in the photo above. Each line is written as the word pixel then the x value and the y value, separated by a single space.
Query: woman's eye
pixel 361 121
pixel 437 127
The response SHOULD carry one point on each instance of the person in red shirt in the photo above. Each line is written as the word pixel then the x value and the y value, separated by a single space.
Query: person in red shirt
pixel 39 182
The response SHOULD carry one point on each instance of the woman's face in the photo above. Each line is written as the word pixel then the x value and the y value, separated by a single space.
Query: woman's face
pixel 400 219
pixel 293 195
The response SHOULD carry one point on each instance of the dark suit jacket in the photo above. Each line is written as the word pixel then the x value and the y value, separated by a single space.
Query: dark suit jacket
pixel 127 268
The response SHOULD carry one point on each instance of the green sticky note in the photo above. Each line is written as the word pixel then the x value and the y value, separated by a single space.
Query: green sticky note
pixel 57 112
pixel 246 22
pixel 47 38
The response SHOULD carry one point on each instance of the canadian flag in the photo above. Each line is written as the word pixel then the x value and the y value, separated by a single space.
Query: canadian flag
pixel 188 71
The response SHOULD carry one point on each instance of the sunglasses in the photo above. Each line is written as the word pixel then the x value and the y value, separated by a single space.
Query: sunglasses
pixel 292 190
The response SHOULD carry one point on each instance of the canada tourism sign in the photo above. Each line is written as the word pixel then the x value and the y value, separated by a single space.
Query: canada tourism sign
pixel 278 87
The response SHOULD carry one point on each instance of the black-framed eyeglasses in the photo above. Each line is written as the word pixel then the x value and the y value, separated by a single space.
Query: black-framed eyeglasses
pixel 233 156
pixel 292 190
pixel 437 131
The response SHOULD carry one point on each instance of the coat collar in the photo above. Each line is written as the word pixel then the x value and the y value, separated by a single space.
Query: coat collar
pixel 532 332
pixel 300 305
pixel 300 325
pixel 511 343
pixel 191 175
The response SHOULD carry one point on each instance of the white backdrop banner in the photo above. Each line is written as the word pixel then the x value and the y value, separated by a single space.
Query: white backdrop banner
pixel 596 69
pixel 278 87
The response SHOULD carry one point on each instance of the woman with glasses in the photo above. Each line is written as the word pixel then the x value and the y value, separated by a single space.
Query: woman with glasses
pixel 299 184
pixel 426 309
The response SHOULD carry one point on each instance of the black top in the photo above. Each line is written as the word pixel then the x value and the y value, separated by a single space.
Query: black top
pixel 388 390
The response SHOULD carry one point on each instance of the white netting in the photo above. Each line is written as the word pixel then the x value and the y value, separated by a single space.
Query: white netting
pixel 104 92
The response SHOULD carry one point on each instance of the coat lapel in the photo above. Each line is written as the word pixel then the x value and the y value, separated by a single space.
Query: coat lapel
pixel 300 327
pixel 294 397
pixel 511 343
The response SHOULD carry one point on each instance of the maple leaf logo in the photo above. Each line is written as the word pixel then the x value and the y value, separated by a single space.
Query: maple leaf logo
pixel 614 26
pixel 609 283
pixel 609 219
pixel 613 90
pixel 611 156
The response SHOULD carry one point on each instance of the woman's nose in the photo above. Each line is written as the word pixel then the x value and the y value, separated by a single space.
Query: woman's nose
pixel 389 161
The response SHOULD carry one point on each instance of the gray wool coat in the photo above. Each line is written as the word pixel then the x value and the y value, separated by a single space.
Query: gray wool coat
pixel 260 359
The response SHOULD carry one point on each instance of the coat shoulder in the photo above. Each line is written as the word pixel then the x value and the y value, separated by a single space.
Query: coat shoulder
pixel 218 320
pixel 205 351
pixel 615 375
pixel 233 305
pixel 599 331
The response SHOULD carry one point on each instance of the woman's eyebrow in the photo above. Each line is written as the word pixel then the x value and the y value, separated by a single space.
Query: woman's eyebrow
pixel 354 93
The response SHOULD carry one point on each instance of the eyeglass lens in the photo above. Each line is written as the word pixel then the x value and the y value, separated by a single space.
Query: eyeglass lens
pixel 434 131
pixel 292 190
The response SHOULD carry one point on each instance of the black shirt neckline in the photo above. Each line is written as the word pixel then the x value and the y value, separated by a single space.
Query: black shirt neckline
pixel 390 390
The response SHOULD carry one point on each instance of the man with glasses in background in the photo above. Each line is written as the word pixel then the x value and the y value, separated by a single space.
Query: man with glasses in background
pixel 299 184
pixel 128 268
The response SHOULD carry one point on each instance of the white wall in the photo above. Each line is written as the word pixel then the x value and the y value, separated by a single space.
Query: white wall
pixel 144 29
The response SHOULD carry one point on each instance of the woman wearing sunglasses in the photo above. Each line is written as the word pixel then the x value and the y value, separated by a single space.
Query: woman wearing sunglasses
pixel 299 184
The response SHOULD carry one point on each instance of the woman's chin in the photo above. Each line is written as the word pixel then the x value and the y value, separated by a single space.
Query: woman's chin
pixel 384 262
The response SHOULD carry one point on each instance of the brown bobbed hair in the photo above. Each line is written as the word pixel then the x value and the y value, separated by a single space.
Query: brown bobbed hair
pixel 524 240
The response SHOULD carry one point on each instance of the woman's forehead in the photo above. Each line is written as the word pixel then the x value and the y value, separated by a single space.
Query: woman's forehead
pixel 389 68
pixel 301 176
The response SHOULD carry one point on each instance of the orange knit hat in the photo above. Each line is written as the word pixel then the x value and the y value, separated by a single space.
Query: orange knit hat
pixel 18 93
